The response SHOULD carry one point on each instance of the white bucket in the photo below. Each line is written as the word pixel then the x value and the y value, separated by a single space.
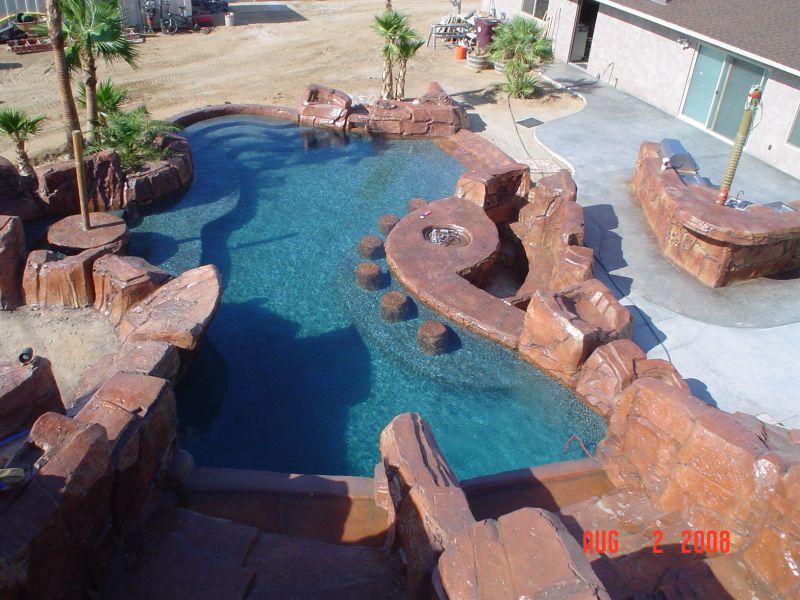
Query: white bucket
pixel 229 18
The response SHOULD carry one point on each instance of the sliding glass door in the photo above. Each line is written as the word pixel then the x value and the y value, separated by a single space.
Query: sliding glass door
pixel 718 90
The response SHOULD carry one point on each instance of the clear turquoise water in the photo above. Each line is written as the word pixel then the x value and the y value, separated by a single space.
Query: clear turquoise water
pixel 298 373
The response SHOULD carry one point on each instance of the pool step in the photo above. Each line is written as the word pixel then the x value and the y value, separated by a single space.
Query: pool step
pixel 183 554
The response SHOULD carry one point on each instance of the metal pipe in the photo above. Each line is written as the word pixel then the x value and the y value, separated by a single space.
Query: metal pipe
pixel 77 146
pixel 753 99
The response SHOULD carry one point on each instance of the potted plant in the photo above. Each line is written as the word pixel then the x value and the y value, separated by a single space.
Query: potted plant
pixel 521 40
pixel 478 59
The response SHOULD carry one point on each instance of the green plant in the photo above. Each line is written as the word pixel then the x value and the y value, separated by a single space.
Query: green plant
pixel 133 135
pixel 110 98
pixel 18 126
pixel 395 31
pixel 406 49
pixel 55 32
pixel 521 39
pixel 520 81
pixel 94 29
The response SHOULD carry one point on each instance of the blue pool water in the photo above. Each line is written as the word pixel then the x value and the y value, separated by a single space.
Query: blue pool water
pixel 298 373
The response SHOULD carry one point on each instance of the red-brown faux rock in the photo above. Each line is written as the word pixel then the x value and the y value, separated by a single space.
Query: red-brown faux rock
pixel 608 371
pixel 105 180
pixel 54 526
pixel 12 261
pixel 716 244
pixel 431 508
pixel 193 116
pixel 551 230
pixel 178 312
pixel 657 368
pixel 48 281
pixel 387 222
pixel 69 237
pixel 500 191
pixel 138 414
pixel 433 337
pixel 395 307
pixel 26 392
pixel 158 359
pixel 16 198
pixel 323 106
pixel 122 281
pixel 562 329
pixel 370 247
pixel 525 554
pixel 416 204
pixel 369 276
pixel 164 178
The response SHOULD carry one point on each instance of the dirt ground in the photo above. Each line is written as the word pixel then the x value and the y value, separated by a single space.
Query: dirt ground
pixel 327 42
pixel 72 339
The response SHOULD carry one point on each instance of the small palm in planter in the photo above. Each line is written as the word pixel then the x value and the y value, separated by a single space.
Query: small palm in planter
pixel 521 40
pixel 17 125
pixel 520 80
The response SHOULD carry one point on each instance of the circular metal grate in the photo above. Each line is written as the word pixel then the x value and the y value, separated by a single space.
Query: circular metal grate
pixel 446 236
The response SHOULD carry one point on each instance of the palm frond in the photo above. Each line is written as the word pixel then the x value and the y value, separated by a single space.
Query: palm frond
pixel 18 125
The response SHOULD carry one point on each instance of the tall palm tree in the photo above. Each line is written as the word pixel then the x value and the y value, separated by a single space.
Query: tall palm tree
pixel 406 49
pixel 17 125
pixel 55 31
pixel 392 27
pixel 110 98
pixel 95 28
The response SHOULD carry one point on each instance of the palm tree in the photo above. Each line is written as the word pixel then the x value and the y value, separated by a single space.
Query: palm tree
pixel 392 27
pixel 522 40
pixel 110 98
pixel 95 28
pixel 17 125
pixel 406 49
pixel 55 31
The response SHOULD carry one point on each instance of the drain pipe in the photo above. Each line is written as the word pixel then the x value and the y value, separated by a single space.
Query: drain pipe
pixel 753 99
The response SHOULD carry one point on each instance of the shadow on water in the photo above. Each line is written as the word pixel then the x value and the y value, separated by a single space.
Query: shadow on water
pixel 252 353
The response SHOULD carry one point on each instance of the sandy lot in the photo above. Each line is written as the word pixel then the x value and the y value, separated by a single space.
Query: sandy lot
pixel 272 62
pixel 72 339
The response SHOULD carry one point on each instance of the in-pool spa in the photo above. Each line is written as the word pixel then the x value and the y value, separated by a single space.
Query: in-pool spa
pixel 298 373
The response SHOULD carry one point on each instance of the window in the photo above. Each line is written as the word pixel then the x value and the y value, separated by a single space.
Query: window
pixel 537 8
pixel 794 134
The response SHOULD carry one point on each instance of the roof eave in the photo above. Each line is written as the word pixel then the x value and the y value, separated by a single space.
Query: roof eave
pixel 702 37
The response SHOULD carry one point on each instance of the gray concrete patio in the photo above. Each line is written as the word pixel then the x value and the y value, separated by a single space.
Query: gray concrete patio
pixel 735 345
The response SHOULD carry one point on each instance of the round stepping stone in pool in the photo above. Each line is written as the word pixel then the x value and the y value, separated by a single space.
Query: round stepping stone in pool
pixel 387 222
pixel 394 307
pixel 370 246
pixel 416 203
pixel 433 337
pixel 369 276
pixel 68 236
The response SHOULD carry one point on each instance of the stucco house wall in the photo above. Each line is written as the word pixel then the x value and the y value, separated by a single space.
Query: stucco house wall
pixel 768 139
pixel 640 58
pixel 563 15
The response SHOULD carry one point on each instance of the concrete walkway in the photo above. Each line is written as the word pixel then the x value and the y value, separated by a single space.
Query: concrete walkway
pixel 736 346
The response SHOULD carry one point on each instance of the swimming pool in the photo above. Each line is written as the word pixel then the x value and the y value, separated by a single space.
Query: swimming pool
pixel 298 373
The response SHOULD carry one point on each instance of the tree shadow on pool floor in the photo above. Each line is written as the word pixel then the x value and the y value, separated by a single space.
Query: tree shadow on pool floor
pixel 260 397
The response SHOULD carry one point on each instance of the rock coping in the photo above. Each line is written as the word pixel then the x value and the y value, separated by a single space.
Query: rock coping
pixel 105 229
pixel 716 244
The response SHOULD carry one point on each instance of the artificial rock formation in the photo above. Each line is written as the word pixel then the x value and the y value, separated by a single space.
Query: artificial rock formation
pixel 369 276
pixel 176 313
pixel 105 231
pixel 395 307
pixel 15 193
pixel 105 181
pixel 551 230
pixel 48 281
pixel 323 106
pixel 370 247
pixel 12 261
pixel 387 222
pixel 26 392
pixel 158 359
pixel 433 337
pixel 122 281
pixel 562 329
pixel 57 529
pixel 525 554
pixel 138 414
pixel 716 244
pixel 415 204
pixel 164 178
pixel 500 191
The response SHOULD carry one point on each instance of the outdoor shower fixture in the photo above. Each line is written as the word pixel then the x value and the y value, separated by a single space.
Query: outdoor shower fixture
pixel 753 99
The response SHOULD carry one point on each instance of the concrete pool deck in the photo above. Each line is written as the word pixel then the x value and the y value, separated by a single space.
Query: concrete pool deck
pixel 733 345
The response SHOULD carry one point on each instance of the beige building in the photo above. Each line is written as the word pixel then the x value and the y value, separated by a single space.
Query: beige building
pixel 695 59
